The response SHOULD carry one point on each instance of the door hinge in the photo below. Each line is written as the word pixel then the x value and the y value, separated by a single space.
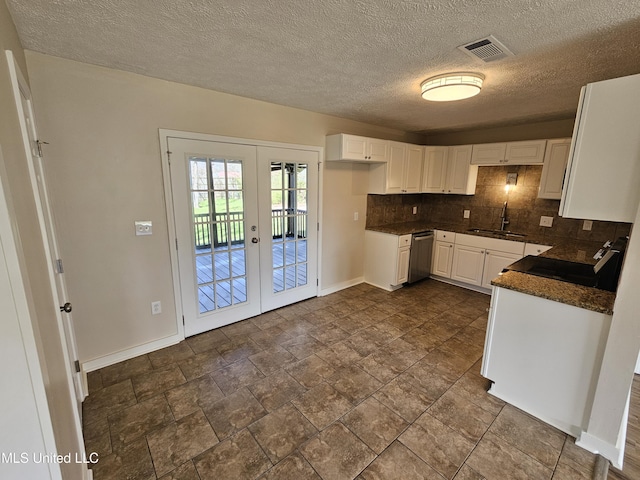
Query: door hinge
pixel 176 244
pixel 318 224
pixel 77 365
pixel 317 282
pixel 183 320
pixel 169 156
pixel 59 267
pixel 39 146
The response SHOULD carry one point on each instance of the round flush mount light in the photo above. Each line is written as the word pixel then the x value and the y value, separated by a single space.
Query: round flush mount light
pixel 451 86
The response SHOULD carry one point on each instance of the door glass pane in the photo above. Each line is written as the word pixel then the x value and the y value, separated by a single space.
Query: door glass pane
pixel 302 274
pixel 234 175
pixel 239 290
pixel 206 298
pixel 289 197
pixel 218 174
pixel 278 280
pixel 222 266
pixel 238 263
pixel 204 269
pixel 223 294
pixel 198 177
pixel 217 203
pixel 290 277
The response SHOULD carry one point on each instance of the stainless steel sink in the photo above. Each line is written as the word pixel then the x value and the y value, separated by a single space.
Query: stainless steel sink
pixel 502 233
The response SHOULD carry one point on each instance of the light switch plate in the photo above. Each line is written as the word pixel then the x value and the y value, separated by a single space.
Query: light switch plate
pixel 415 210
pixel 546 221
pixel 144 227
pixel 587 225
pixel 467 213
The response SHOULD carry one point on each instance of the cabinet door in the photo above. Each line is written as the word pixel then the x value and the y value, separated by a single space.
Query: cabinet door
pixel 413 169
pixel 494 263
pixel 604 172
pixel 377 150
pixel 535 249
pixel 489 154
pixel 555 164
pixel 468 263
pixel 354 147
pixel 402 273
pixel 529 152
pixel 435 169
pixel 442 259
pixel 458 162
pixel 395 168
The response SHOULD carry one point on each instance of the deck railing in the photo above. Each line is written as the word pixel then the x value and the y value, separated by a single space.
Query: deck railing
pixel 229 227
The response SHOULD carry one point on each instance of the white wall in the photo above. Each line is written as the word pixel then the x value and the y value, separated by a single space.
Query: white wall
pixel 105 173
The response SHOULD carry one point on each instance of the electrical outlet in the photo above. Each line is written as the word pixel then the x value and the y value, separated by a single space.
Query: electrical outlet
pixel 415 210
pixel 467 213
pixel 546 221
pixel 156 307
pixel 356 215
pixel 587 225
pixel 144 227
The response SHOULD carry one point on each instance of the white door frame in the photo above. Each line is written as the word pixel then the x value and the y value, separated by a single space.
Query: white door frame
pixel 165 134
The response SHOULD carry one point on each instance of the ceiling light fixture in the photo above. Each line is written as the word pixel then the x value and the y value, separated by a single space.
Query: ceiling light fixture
pixel 451 86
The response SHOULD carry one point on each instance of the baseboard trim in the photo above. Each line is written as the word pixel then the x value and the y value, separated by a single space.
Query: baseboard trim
pixel 340 286
pixel 122 355
pixel 468 286
pixel 596 445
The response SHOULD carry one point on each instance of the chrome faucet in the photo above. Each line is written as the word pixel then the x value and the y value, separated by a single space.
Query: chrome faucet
pixel 503 216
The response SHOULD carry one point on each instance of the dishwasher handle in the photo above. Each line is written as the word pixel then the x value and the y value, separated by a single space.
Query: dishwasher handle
pixel 422 237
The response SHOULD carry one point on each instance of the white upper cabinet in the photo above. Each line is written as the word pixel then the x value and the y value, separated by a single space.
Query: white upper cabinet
pixel 401 174
pixel 529 152
pixel 434 174
pixel 603 175
pixel 489 154
pixel 449 170
pixel 555 164
pixel 353 148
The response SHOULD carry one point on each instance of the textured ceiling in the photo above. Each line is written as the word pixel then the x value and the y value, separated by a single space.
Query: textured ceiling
pixel 358 59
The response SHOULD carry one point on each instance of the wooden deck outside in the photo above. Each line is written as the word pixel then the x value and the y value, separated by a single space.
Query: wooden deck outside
pixel 221 272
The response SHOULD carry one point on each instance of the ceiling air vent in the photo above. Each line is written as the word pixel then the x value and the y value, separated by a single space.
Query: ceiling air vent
pixel 486 49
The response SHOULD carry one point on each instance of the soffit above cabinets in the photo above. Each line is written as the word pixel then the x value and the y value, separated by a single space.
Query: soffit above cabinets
pixel 362 60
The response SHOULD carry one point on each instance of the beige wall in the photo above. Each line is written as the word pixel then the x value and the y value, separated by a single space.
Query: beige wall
pixel 42 306
pixel 105 172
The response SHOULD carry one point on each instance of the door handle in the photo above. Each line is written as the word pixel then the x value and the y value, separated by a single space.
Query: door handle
pixel 67 307
pixel 255 240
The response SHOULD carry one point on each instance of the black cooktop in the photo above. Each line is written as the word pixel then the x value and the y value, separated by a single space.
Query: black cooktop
pixel 563 270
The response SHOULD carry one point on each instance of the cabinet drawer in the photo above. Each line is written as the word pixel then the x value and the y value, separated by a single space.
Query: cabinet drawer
pixel 404 241
pixel 444 236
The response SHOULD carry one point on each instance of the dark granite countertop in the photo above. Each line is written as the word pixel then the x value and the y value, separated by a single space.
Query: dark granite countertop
pixel 588 298
pixel 563 248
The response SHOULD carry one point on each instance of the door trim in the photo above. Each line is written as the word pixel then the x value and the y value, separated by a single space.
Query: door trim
pixel 164 136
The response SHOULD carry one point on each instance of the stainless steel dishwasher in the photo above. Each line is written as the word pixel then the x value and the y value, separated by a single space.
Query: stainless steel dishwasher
pixel 420 258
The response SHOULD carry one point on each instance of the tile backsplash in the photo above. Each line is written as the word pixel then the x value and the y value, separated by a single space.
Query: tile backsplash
pixel 524 208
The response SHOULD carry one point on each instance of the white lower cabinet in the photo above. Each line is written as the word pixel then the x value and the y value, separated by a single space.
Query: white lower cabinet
pixel 494 263
pixel 442 259
pixel 468 263
pixel 386 260
pixel 535 249
pixel 478 260
pixel 544 357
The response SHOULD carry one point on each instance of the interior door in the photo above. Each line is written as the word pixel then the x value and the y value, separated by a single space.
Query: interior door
pixel 288 191
pixel 47 224
pixel 216 218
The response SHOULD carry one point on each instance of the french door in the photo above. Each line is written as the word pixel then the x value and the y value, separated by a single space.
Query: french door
pixel 242 215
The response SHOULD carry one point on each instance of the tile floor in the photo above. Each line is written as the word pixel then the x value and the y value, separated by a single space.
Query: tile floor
pixel 358 384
